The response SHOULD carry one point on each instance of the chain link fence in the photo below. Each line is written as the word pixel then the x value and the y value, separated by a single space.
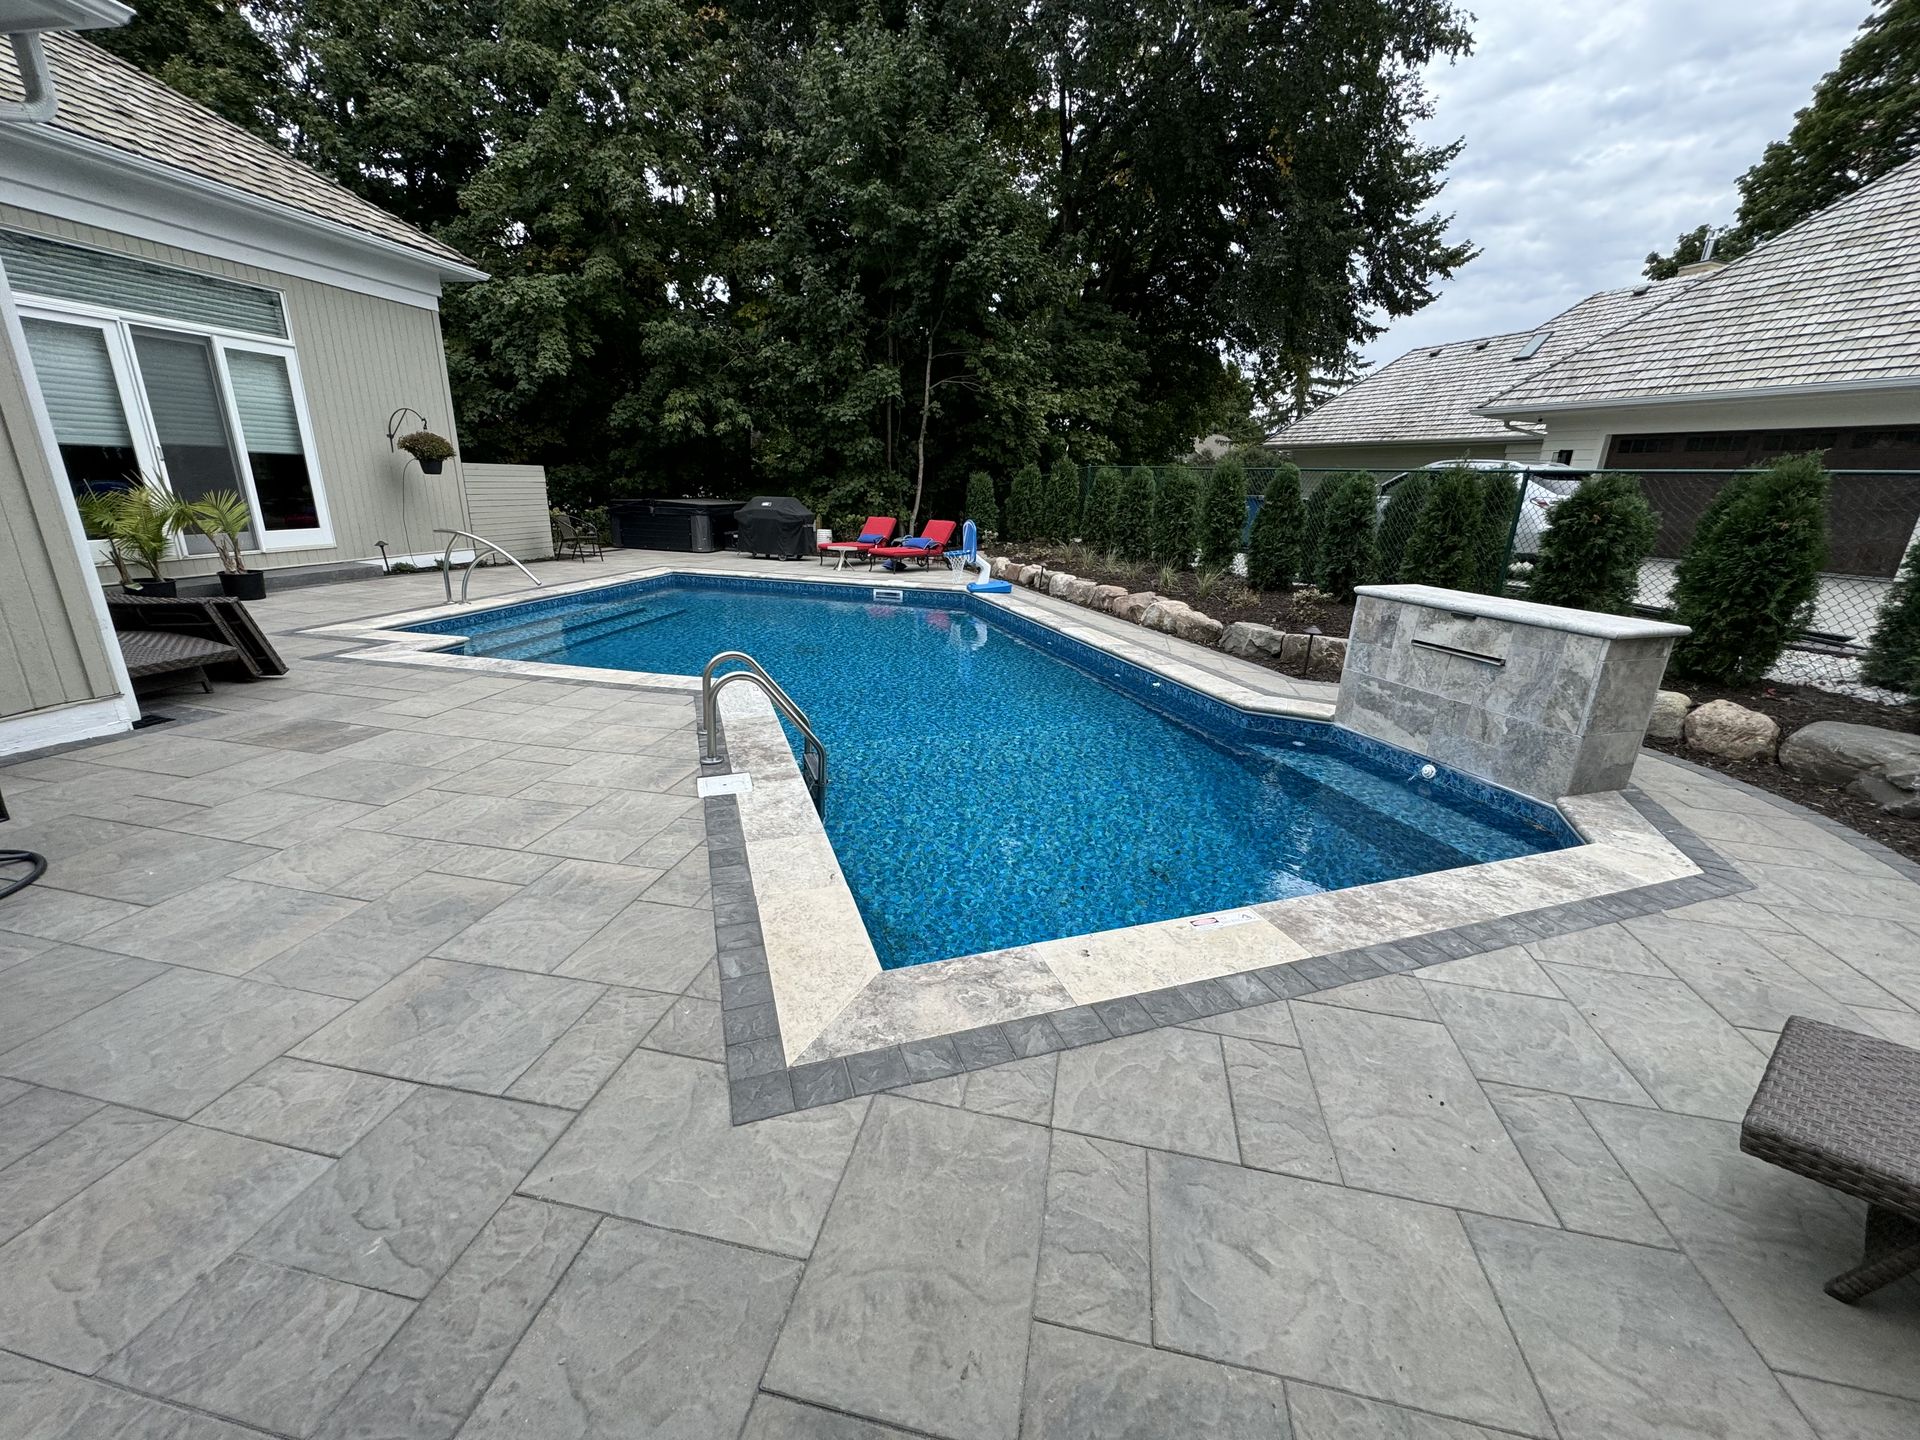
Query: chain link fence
pixel 1873 518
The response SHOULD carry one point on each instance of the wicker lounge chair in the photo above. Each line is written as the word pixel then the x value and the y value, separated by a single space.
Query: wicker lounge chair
pixel 163 652
pixel 1844 1109
pixel 218 618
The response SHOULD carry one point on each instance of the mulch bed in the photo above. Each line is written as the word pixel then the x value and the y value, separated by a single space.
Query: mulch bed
pixel 1791 707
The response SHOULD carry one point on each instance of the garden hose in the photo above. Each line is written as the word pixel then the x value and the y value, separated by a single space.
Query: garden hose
pixel 36 867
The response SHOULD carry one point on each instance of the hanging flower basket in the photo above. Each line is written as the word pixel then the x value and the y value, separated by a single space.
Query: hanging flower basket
pixel 431 450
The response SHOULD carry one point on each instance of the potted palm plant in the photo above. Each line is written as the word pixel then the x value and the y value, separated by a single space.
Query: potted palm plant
pixel 146 524
pixel 431 450
pixel 223 518
pixel 100 518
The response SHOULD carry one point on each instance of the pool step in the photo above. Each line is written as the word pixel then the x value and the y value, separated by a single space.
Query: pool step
pixel 555 640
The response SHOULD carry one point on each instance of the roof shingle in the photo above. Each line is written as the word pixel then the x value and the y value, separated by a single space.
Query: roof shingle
pixel 1433 393
pixel 108 101
pixel 1835 299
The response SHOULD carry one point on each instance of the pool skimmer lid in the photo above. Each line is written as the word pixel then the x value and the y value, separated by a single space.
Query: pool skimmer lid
pixel 723 785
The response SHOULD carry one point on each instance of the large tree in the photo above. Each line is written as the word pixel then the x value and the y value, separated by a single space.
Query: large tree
pixel 207 50
pixel 860 249
pixel 1863 121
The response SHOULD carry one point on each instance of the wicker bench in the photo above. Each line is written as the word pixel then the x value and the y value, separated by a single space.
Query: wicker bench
pixel 1844 1109
pixel 163 652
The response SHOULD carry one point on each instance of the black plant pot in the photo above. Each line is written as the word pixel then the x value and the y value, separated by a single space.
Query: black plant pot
pixel 247 585
pixel 431 467
pixel 160 589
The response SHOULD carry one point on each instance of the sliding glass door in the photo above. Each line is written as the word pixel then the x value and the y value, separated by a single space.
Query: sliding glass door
pixel 189 419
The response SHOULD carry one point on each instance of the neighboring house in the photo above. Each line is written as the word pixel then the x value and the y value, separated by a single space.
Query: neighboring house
pixel 1809 342
pixel 181 301
pixel 1425 406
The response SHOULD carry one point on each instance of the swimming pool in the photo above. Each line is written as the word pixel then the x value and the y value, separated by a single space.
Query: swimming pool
pixel 996 783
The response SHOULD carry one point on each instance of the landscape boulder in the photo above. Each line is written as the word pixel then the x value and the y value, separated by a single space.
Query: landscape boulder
pixel 1105 596
pixel 1134 607
pixel 1078 591
pixel 1880 765
pixel 1258 642
pixel 1057 584
pixel 1005 569
pixel 1177 618
pixel 1326 657
pixel 1034 577
pixel 1293 652
pixel 1731 731
pixel 1669 716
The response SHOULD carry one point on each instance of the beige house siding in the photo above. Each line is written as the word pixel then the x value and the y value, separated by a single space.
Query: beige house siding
pixel 508 505
pixel 1391 458
pixel 361 358
pixel 51 650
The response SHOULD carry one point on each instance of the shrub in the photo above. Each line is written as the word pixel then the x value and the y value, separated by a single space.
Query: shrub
pixel 1747 582
pixel 1024 505
pixel 1314 526
pixel 982 508
pixel 1062 503
pixel 1404 504
pixel 1279 532
pixel 1445 548
pixel 1344 555
pixel 1096 522
pixel 1893 655
pixel 1223 514
pixel 1591 552
pixel 1176 519
pixel 1130 526
pixel 1499 516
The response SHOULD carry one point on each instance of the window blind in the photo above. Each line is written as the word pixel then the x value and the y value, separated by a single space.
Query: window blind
pixel 76 377
pixel 264 397
pixel 117 282
pixel 178 376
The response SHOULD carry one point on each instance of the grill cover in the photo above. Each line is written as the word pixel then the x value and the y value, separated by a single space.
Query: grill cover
pixel 776 525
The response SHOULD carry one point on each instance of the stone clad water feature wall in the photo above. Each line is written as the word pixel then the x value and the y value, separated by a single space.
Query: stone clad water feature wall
pixel 1543 700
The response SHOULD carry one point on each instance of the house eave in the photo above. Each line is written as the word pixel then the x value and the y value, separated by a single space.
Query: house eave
pixel 153 171
pixel 1538 409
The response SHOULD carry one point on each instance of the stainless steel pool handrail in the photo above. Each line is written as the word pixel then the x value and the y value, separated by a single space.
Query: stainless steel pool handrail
pixel 813 759
pixel 466 575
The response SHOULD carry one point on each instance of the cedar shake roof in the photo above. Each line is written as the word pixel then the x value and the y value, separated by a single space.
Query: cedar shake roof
pixel 106 100
pixel 1833 300
pixel 1434 393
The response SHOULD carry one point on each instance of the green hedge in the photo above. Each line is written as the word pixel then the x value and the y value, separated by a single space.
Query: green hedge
pixel 1176 520
pixel 1025 516
pixel 1747 583
pixel 1130 523
pixel 1344 546
pixel 1893 655
pixel 982 508
pixel 1275 548
pixel 1591 553
pixel 1446 547
pixel 1096 523
pixel 1223 514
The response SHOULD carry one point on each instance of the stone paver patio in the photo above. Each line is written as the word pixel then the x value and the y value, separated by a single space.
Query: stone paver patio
pixel 362 1078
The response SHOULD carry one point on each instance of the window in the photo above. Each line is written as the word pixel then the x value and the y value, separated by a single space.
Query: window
pixel 1644 444
pixel 182 379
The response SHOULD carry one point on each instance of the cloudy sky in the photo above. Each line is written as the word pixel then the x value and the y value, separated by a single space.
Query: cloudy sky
pixel 1597 132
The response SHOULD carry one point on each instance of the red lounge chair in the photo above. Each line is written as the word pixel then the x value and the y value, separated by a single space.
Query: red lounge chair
pixel 931 546
pixel 877 531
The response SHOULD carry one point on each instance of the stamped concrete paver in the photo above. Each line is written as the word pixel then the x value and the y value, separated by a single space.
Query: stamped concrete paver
pixel 246 1169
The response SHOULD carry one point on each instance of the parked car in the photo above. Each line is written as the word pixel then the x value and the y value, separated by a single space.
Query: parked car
pixel 1546 484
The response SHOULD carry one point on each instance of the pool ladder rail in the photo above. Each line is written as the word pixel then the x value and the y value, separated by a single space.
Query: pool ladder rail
pixel 813 755
pixel 482 547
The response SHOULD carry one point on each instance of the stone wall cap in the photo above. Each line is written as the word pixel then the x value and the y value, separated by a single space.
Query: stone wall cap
pixel 1526 612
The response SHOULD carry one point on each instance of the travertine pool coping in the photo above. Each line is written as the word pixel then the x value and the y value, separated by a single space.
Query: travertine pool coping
pixel 810 1017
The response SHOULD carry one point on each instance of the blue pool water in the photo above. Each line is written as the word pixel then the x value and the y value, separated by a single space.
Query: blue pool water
pixel 994 783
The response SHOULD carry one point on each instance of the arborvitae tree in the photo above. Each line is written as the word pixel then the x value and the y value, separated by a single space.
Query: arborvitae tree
pixel 1893 655
pixel 1223 515
pixel 1499 518
pixel 1096 521
pixel 982 508
pixel 1405 501
pixel 1345 557
pixel 1445 547
pixel 1591 553
pixel 1062 502
pixel 1176 519
pixel 1279 532
pixel 1747 583
pixel 1130 525
pixel 1025 505
pixel 1314 527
